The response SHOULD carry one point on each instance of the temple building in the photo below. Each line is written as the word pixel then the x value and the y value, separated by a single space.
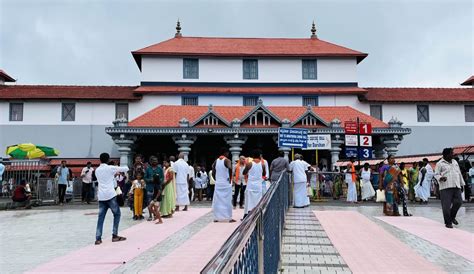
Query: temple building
pixel 198 94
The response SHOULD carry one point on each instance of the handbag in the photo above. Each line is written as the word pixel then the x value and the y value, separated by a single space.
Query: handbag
pixel 380 196
pixel 118 191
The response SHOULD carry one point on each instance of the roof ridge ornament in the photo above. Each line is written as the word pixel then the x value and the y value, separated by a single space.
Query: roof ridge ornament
pixel 313 31
pixel 178 30
pixel 211 108
pixel 260 102
pixel 309 107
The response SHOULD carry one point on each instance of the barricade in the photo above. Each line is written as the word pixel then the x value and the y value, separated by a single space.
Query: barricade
pixel 255 246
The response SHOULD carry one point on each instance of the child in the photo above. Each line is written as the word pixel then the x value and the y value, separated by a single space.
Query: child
pixel 138 186
pixel 154 206
pixel 198 186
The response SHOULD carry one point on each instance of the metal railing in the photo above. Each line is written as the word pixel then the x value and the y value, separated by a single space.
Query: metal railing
pixel 255 246
pixel 17 170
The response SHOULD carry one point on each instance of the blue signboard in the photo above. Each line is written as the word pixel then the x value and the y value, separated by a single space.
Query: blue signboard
pixel 365 153
pixel 351 152
pixel 292 137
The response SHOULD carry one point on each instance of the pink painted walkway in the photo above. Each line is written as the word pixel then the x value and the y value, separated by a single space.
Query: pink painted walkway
pixel 108 256
pixel 454 240
pixel 368 248
pixel 194 254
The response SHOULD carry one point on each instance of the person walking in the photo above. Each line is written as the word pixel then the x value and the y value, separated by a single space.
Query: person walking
pixel 107 197
pixel 390 181
pixel 278 166
pixel 64 176
pixel 255 171
pixel 451 184
pixel 212 185
pixel 222 200
pixel 191 191
pixel 182 178
pixel 367 190
pixel 169 198
pixel 86 176
pixel 351 183
pixel 423 188
pixel 2 170
pixel 300 169
pixel 240 182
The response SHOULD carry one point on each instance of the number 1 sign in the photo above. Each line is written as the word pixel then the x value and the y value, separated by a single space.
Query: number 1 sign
pixel 365 140
pixel 365 128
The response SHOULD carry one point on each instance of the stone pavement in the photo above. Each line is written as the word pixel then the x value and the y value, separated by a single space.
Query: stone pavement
pixel 34 237
pixel 306 246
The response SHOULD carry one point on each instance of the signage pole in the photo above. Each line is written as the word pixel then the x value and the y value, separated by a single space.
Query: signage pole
pixel 317 163
pixel 358 154
pixel 292 154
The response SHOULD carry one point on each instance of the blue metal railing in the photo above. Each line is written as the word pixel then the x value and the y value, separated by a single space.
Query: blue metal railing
pixel 255 246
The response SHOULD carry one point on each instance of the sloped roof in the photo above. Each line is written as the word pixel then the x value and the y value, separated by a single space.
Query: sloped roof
pixel 413 95
pixel 468 82
pixel 169 116
pixel 6 77
pixel 247 47
pixel 257 90
pixel 58 92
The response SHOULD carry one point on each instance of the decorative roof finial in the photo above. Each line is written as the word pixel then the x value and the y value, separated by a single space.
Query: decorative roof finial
pixel 313 31
pixel 178 29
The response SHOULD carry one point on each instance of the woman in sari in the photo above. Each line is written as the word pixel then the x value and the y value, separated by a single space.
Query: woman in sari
pixel 168 202
pixel 412 180
pixel 391 182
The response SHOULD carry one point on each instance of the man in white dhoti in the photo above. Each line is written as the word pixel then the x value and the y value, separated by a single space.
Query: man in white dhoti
pixel 367 190
pixel 181 168
pixel 255 171
pixel 300 168
pixel 351 181
pixel 222 199
pixel 423 188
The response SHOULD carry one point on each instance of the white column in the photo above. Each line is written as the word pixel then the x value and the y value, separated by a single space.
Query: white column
pixel 235 142
pixel 286 150
pixel 392 143
pixel 336 149
pixel 125 144
pixel 184 143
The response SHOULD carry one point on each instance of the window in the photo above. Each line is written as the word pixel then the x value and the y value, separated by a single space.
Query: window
pixel 309 70
pixel 469 113
pixel 121 111
pixel 68 112
pixel 189 100
pixel 310 100
pixel 190 68
pixel 423 113
pixel 250 68
pixel 250 100
pixel 376 111
pixel 16 111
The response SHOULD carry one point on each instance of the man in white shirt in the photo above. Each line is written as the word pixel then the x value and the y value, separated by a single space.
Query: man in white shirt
pixel 181 168
pixel 299 167
pixel 86 176
pixel 2 170
pixel 107 197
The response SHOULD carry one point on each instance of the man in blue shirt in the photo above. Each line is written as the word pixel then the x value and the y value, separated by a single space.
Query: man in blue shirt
pixel 63 176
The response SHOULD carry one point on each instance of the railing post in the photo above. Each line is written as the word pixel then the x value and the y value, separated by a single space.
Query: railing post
pixel 261 237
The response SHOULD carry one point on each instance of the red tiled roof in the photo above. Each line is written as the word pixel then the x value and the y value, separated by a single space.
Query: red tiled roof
pixel 248 90
pixel 468 82
pixel 169 116
pixel 463 149
pixel 45 92
pixel 5 76
pixel 411 95
pixel 247 47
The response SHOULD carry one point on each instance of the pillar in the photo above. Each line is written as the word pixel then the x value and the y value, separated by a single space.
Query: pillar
pixel 392 143
pixel 235 142
pixel 286 150
pixel 336 143
pixel 125 144
pixel 184 143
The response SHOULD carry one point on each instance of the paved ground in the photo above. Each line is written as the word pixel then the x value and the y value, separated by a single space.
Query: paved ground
pixel 34 237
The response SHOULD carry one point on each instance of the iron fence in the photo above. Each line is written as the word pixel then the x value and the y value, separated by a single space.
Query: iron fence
pixel 18 170
pixel 255 246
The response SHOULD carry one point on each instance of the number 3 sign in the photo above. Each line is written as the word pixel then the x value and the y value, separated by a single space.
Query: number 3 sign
pixel 365 140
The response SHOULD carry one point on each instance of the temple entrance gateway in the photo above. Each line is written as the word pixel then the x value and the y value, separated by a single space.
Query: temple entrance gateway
pixel 199 132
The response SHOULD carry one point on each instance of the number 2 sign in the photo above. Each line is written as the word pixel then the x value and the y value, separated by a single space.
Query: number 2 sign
pixel 365 140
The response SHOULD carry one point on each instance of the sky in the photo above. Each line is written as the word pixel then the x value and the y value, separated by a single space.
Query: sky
pixel 417 43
